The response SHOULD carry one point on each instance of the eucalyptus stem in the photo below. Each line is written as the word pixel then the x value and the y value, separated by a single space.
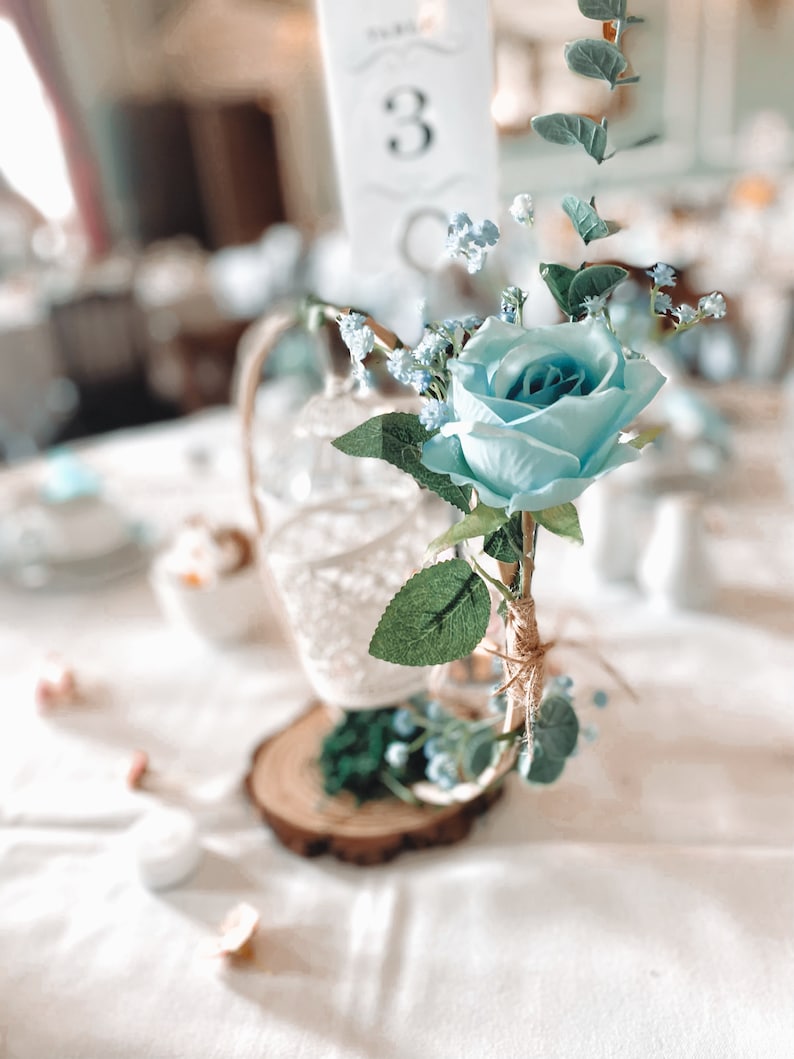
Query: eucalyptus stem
pixel 608 322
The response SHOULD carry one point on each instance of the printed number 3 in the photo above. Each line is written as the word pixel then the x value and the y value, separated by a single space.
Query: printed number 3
pixel 408 105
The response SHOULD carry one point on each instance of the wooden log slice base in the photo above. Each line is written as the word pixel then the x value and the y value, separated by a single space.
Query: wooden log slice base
pixel 285 785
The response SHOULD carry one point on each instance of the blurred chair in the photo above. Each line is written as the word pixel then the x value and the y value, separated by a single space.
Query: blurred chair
pixel 102 340
pixel 207 357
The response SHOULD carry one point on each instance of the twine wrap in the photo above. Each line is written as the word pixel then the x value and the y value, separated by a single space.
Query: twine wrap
pixel 525 668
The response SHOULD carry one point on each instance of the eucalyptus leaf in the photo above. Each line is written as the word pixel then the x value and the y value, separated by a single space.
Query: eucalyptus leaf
pixel 593 282
pixel 439 615
pixel 557 727
pixel 477 523
pixel 562 520
pixel 506 544
pixel 397 438
pixel 545 769
pixel 477 754
pixel 603 10
pixel 573 129
pixel 586 221
pixel 558 279
pixel 596 58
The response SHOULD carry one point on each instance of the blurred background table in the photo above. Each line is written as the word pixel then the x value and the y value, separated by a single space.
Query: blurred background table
pixel 642 906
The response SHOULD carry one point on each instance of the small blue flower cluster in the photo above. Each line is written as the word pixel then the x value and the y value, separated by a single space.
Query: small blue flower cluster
pixel 470 241
pixel 710 305
pixel 437 732
pixel 359 338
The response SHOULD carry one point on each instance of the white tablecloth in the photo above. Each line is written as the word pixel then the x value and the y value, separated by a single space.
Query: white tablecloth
pixel 641 907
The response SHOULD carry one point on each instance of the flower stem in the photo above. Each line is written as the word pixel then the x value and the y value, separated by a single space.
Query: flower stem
pixel 528 529
pixel 503 589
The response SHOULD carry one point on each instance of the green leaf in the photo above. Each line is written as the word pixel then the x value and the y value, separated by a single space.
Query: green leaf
pixel 477 523
pixel 573 129
pixel 477 754
pixel 558 279
pixel 397 438
pixel 545 769
pixel 603 10
pixel 593 282
pixel 562 520
pixel 557 727
pixel 439 615
pixel 596 58
pixel 506 544
pixel 586 221
pixel 646 437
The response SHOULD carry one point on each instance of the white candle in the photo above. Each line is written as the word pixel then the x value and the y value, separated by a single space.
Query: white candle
pixel 165 847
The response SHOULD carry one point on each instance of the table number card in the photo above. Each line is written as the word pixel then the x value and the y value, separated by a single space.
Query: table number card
pixel 409 85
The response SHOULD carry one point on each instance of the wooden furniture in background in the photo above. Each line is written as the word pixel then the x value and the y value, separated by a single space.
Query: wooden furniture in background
pixel 102 343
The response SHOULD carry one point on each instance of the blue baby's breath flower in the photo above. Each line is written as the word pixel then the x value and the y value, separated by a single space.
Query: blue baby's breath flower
pixel 713 305
pixel 432 747
pixel 595 304
pixel 442 770
pixel 662 303
pixel 470 241
pixel 662 275
pixel 434 710
pixel 434 414
pixel 590 733
pixel 401 365
pixel 430 348
pixel 600 699
pixel 397 755
pixel 420 380
pixel 403 723
pixel 357 335
pixel 522 211
pixel 487 234
pixel 685 314
pixel 471 324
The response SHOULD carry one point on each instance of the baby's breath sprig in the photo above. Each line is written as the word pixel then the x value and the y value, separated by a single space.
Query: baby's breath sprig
pixel 687 316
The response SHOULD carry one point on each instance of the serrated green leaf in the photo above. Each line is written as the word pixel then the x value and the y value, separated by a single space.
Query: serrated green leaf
pixel 557 727
pixel 477 754
pixel 506 544
pixel 586 221
pixel 562 520
pixel 558 279
pixel 439 615
pixel 573 129
pixel 593 282
pixel 646 437
pixel 397 438
pixel 603 10
pixel 596 58
pixel 477 523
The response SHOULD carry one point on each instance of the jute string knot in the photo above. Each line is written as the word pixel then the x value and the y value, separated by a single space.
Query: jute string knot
pixel 525 664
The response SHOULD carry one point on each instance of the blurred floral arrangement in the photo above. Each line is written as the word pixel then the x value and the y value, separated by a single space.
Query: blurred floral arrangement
pixel 515 423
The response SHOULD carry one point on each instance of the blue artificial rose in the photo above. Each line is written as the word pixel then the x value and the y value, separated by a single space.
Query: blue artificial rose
pixel 535 414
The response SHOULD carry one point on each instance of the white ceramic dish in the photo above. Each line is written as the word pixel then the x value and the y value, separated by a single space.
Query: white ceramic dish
pixel 231 609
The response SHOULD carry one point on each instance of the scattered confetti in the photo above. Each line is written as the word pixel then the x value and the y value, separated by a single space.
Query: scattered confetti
pixel 56 685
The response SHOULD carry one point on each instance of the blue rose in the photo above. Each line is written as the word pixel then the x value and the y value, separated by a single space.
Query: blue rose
pixel 535 414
